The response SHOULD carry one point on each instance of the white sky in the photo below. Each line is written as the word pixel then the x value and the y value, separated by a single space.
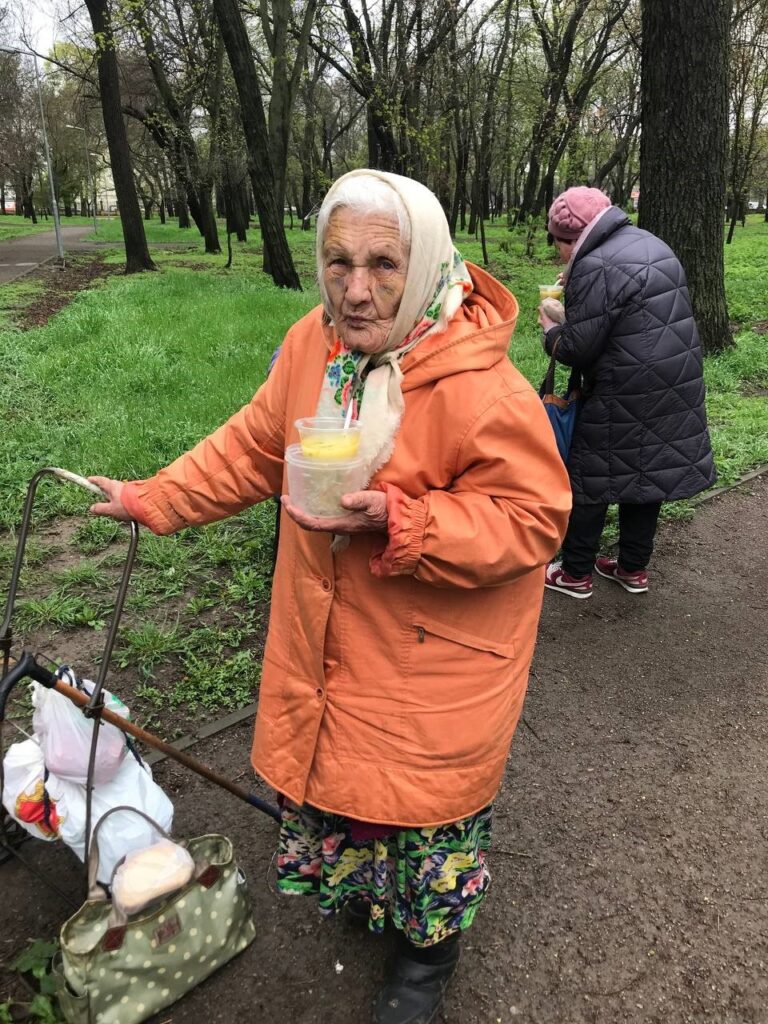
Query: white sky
pixel 39 22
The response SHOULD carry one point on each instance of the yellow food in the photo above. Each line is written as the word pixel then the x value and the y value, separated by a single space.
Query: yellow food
pixel 335 446
pixel 554 291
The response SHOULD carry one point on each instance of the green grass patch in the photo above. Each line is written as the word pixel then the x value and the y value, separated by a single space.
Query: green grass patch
pixel 15 298
pixel 15 226
pixel 746 272
pixel 59 610
pixel 110 229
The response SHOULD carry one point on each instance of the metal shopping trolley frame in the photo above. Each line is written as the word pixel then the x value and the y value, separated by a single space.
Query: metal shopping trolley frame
pixel 35 666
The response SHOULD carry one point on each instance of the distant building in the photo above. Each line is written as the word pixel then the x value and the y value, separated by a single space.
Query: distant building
pixel 10 201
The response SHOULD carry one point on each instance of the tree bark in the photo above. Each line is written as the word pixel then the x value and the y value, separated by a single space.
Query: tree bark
pixel 684 147
pixel 287 69
pixel 137 256
pixel 198 182
pixel 238 49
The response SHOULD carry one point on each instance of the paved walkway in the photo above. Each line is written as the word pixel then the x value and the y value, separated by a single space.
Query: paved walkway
pixel 19 256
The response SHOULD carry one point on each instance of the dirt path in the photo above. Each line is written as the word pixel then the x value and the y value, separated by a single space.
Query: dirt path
pixel 630 837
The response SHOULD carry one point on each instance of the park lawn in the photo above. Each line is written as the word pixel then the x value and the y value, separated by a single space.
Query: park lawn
pixel 109 229
pixel 16 226
pixel 13 226
pixel 133 373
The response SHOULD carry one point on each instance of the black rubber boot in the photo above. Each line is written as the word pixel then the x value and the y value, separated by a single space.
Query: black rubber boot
pixel 358 911
pixel 414 990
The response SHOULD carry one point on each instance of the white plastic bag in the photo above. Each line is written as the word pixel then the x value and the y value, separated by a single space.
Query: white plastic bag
pixel 24 791
pixel 122 832
pixel 65 733
pixel 146 875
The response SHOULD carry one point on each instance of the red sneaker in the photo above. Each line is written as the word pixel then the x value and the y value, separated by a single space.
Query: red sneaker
pixel 574 586
pixel 633 582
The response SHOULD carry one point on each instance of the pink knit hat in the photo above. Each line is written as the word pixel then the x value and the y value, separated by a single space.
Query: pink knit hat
pixel 574 209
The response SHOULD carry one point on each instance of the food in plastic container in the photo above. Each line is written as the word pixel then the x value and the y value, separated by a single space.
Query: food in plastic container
pixel 327 439
pixel 316 486
pixel 551 291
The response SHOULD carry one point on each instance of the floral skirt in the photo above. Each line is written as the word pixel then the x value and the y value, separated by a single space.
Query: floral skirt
pixel 429 880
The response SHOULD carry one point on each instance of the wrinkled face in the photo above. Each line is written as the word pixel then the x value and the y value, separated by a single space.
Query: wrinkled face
pixel 364 271
pixel 565 247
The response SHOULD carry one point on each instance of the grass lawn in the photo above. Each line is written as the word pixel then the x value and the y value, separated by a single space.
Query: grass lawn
pixel 14 226
pixel 133 372
pixel 111 230
pixel 137 369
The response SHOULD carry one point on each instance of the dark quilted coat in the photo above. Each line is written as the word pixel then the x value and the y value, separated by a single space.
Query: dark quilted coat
pixel 642 433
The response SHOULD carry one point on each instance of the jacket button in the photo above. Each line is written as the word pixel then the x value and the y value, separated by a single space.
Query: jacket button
pixel 326 585
pixel 319 693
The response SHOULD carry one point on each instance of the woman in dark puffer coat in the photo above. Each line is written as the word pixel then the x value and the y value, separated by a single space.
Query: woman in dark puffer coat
pixel 641 437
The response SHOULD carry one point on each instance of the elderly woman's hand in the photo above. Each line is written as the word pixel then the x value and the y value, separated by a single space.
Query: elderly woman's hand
pixel 367 514
pixel 546 321
pixel 113 506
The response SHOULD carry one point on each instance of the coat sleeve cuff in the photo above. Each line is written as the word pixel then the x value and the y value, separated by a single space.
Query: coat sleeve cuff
pixel 140 506
pixel 132 503
pixel 406 520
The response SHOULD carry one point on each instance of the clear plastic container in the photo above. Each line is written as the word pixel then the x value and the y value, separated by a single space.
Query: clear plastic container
pixel 326 439
pixel 551 291
pixel 316 486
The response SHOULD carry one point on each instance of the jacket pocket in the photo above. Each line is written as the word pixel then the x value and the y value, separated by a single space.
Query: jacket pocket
pixel 462 696
pixel 426 627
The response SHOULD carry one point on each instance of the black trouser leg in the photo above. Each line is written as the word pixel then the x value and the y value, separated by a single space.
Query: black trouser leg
pixel 582 539
pixel 637 528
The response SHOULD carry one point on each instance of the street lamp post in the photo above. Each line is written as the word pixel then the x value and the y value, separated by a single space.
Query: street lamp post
pixel 54 204
pixel 77 128
pixel 96 156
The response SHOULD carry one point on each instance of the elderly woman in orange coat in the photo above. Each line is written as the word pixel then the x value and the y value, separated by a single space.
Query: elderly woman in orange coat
pixel 402 630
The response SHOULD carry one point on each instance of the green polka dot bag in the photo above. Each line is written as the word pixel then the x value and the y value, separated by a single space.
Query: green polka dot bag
pixel 117 970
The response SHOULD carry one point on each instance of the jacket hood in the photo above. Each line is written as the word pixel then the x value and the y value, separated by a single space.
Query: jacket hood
pixel 477 338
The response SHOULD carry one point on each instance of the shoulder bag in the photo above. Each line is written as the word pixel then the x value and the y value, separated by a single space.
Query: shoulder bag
pixel 562 410
pixel 117 970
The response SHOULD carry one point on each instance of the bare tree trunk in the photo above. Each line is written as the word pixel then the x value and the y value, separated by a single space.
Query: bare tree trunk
pixel 287 69
pixel 184 143
pixel 182 209
pixel 137 256
pixel 684 147
pixel 238 48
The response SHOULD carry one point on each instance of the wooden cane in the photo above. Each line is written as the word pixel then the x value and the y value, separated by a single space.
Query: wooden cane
pixel 26 666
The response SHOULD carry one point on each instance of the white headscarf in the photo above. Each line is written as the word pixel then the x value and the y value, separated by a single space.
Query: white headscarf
pixel 436 284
